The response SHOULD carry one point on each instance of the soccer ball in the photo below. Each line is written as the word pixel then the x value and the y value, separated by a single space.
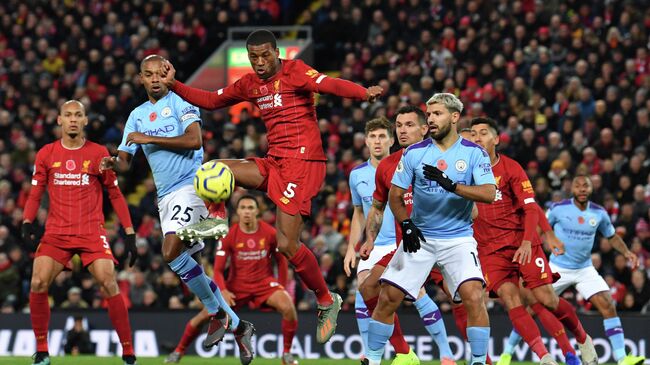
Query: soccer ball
pixel 214 182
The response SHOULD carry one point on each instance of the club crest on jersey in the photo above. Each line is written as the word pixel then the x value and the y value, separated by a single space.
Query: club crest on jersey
pixel 167 111
pixel 262 241
pixel 70 165
pixel 442 165
pixel 497 179
pixel 153 116
pixel 250 243
pixel 85 165
pixel 276 86
pixel 592 222
pixel 400 167
pixel 461 166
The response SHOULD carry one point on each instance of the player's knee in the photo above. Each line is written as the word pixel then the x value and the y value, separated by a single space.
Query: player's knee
pixel 110 286
pixel 549 301
pixel 369 288
pixel 169 255
pixel 473 299
pixel 38 285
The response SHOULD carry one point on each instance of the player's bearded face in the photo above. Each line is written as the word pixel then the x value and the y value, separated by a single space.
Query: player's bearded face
pixel 264 59
pixel 440 121
pixel 581 189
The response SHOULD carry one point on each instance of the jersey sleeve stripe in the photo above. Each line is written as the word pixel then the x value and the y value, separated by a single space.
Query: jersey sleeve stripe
pixel 320 78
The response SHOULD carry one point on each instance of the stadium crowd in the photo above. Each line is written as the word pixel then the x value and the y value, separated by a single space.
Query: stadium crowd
pixel 568 81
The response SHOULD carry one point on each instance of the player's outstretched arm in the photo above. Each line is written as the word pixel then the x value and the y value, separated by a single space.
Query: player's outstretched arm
pixel 120 163
pixel 211 100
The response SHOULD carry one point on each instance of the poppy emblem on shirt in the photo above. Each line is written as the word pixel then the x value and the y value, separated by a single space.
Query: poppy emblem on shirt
pixel 152 116
pixel 264 90
pixel 167 111
pixel 581 220
pixel 250 243
pixel 442 165
pixel 70 165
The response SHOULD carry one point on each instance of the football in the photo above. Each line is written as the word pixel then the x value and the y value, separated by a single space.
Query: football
pixel 214 181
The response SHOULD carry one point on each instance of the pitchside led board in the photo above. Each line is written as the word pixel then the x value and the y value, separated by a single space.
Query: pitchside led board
pixel 238 65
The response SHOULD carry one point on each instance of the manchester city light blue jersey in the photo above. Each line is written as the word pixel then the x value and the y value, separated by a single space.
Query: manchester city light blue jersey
pixel 168 117
pixel 437 212
pixel 577 229
pixel 362 185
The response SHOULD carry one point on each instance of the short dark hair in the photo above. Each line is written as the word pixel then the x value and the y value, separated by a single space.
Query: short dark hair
pixel 247 196
pixel 422 118
pixel 260 37
pixel 379 123
pixel 489 121
pixel 152 57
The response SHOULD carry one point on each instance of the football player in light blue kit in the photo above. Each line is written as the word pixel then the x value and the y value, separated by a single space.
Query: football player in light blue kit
pixel 576 222
pixel 379 139
pixel 447 173
pixel 168 129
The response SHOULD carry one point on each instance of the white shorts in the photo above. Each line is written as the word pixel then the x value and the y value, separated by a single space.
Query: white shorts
pixel 586 280
pixel 457 259
pixel 375 255
pixel 180 208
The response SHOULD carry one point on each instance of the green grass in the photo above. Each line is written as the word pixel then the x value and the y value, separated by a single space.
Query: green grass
pixel 191 360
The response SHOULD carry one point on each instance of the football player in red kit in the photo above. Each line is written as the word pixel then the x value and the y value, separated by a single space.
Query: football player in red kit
pixel 69 169
pixel 509 248
pixel 250 244
pixel 294 169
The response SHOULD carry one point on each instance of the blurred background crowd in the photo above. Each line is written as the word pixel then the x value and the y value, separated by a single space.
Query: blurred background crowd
pixel 567 80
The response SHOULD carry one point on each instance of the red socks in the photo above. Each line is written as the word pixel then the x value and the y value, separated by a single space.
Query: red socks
pixel 39 307
pixel 217 210
pixel 460 317
pixel 553 327
pixel 567 315
pixel 527 328
pixel 189 335
pixel 120 318
pixel 397 338
pixel 306 266
pixel 288 332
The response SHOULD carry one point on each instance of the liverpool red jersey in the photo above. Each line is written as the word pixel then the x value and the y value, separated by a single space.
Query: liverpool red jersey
pixel 250 258
pixel 513 215
pixel 74 185
pixel 383 178
pixel 286 102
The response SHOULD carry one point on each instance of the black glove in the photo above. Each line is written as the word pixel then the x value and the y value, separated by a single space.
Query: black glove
pixel 411 236
pixel 129 245
pixel 434 174
pixel 27 231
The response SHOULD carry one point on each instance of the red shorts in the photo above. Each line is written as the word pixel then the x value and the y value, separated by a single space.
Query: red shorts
pixel 291 183
pixel 61 248
pixel 498 268
pixel 256 296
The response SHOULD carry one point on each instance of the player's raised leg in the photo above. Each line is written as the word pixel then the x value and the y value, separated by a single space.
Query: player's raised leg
pixel 45 269
pixel 103 270
pixel 248 176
